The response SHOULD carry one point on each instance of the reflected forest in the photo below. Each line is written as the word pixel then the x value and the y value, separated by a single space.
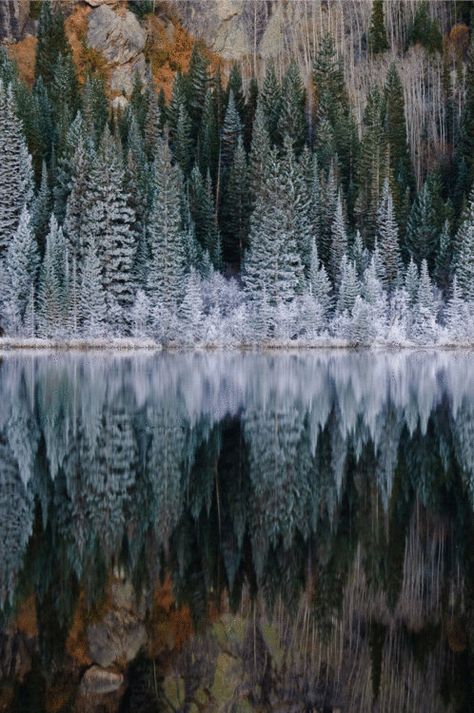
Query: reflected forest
pixel 237 532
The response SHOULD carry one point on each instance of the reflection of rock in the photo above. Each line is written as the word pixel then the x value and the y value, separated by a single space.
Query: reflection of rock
pixel 121 39
pixel 98 681
pixel 96 3
pixel 119 636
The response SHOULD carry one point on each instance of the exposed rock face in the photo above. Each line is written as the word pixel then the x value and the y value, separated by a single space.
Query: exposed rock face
pixel 13 18
pixel 220 23
pixel 98 681
pixel 121 39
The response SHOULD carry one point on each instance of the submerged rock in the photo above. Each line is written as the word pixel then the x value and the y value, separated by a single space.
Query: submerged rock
pixel 99 681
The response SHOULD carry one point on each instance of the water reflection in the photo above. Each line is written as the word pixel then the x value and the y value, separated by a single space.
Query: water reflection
pixel 297 527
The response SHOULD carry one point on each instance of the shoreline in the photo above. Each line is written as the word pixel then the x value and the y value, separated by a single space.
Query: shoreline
pixel 9 344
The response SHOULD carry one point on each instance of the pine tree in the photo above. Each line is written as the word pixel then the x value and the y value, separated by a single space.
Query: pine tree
pixel 41 209
pixel 16 175
pixel 339 242
pixel 19 274
pixel 271 99
pixel 259 153
pixel 349 286
pixel 273 262
pixel 423 326
pixel 443 257
pixel 165 234
pixel 234 86
pixel 153 123
pixel 371 165
pixel 235 215
pixel 465 263
pixel 182 143
pixel 320 283
pixel 465 147
pixel 92 306
pixel 208 139
pixel 327 210
pixel 377 34
pixel 109 221
pixel 412 282
pixel 204 215
pixel 231 131
pixel 52 41
pixel 292 120
pixel 67 166
pixel 387 237
pixel 250 110
pixel 396 131
pixel 52 294
pixel 191 309
pixel 95 107
pixel 197 83
pixel 79 196
pixel 423 229
pixel 360 255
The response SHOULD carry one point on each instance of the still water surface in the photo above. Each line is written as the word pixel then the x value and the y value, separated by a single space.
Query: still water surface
pixel 211 532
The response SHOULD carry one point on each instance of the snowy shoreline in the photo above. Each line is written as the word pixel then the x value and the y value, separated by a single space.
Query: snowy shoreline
pixel 130 344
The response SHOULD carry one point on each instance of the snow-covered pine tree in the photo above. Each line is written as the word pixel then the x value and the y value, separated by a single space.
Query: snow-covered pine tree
pixel 465 260
pixel 109 222
pixel 53 299
pixel 92 306
pixel 423 327
pixel 327 209
pixel 387 237
pixel 204 215
pixel 422 229
pixel 80 193
pixel 412 282
pixel 360 255
pixel 458 314
pixel 273 262
pixel 19 273
pixel 191 309
pixel 298 202
pixel 339 242
pixel 41 208
pixel 16 173
pixel 349 286
pixel 153 122
pixel 320 283
pixel 444 257
pixel 165 234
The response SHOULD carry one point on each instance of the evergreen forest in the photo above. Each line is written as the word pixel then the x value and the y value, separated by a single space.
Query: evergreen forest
pixel 237 211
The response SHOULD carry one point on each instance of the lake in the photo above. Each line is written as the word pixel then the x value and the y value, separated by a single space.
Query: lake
pixel 233 532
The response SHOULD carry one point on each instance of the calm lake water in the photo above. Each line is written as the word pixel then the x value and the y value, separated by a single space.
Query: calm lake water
pixel 230 532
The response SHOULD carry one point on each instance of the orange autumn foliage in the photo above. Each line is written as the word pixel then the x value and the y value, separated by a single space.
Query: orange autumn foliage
pixel 76 643
pixel 168 50
pixel 169 626
pixel 26 620
pixel 24 54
